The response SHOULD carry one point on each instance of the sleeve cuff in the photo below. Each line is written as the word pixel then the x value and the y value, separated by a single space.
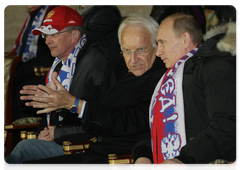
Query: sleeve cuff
pixel 142 151
pixel 82 110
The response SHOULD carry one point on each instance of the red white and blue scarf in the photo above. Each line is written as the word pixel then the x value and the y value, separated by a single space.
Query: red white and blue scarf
pixel 167 113
pixel 30 50
pixel 66 73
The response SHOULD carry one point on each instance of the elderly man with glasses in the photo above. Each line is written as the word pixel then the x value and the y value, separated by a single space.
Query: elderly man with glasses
pixel 119 119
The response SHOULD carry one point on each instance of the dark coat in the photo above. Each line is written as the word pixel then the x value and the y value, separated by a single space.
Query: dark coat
pixel 120 118
pixel 209 90
pixel 100 23
pixel 209 87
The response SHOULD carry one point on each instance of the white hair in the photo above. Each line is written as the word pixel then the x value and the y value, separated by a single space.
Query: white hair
pixel 140 21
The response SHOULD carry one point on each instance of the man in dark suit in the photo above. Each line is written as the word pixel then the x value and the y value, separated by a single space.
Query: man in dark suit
pixel 119 118
pixel 77 64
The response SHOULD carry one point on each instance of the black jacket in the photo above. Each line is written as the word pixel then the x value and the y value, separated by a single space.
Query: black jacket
pixel 89 72
pixel 209 89
pixel 120 119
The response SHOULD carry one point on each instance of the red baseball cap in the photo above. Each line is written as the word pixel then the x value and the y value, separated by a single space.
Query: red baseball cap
pixel 57 19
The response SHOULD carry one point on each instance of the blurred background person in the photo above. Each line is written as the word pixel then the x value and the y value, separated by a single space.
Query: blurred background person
pixel 101 19
pixel 34 52
pixel 163 8
pixel 225 10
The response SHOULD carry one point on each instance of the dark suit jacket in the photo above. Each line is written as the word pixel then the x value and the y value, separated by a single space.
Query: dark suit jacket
pixel 89 72
pixel 120 118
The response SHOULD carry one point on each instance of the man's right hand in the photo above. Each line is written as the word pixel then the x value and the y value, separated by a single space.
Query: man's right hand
pixel 31 91
pixel 142 164
pixel 46 134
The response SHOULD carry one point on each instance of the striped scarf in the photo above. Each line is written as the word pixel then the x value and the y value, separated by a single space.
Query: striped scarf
pixel 167 113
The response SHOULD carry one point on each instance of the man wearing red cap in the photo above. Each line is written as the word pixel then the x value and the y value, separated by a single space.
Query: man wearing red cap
pixel 78 66
pixel 64 36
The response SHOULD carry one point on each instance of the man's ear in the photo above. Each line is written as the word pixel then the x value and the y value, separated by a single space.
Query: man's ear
pixel 75 35
pixel 186 39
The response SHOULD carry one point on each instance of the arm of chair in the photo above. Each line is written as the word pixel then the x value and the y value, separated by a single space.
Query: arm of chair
pixel 73 147
pixel 120 159
pixel 40 70
pixel 27 135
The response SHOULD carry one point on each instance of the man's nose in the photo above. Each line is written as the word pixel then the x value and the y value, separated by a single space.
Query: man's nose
pixel 48 39
pixel 134 57
pixel 159 51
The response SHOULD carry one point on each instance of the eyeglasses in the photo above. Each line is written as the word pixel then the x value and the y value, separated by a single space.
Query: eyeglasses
pixel 44 36
pixel 139 51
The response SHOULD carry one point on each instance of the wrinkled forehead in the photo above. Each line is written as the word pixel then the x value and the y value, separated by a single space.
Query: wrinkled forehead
pixel 132 36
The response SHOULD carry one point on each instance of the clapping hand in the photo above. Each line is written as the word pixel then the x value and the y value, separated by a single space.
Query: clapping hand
pixel 33 91
pixel 50 99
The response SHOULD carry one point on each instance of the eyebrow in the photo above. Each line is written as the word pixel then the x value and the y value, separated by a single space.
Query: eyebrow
pixel 160 40
pixel 144 46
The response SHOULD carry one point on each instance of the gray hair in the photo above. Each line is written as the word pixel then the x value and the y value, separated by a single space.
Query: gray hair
pixel 79 28
pixel 140 21
pixel 187 23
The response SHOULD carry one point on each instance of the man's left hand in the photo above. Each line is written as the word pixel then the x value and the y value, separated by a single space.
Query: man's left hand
pixel 172 161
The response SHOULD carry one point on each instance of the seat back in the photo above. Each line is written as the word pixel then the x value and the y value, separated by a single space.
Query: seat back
pixel 9 91
pixel 7 66
pixel 10 126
